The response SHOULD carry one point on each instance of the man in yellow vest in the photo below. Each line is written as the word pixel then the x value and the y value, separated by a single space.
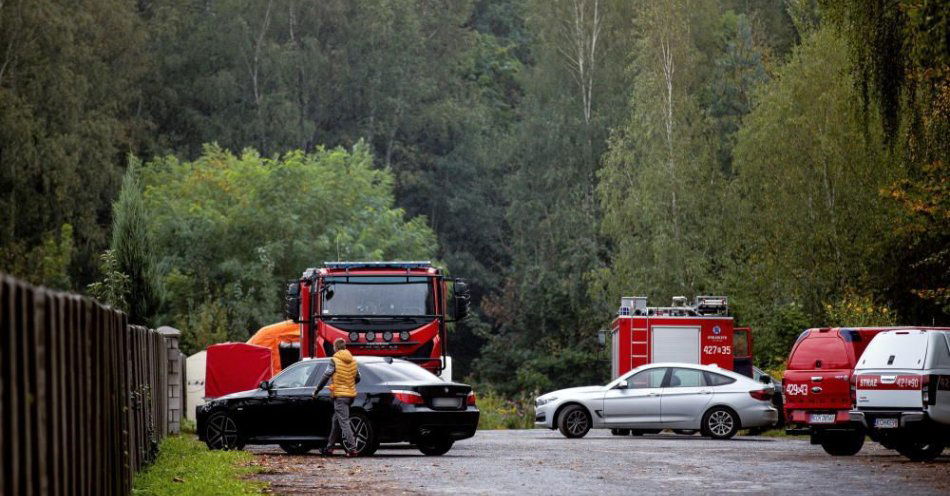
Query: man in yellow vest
pixel 345 375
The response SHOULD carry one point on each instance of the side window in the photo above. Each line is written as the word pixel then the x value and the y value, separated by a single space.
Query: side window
pixel 317 374
pixel 687 378
pixel 717 380
pixel 652 378
pixel 294 376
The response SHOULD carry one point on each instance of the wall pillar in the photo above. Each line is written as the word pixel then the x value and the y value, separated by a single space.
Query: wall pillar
pixel 176 396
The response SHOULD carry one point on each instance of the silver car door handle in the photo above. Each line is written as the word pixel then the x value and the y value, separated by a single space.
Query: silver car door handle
pixel 653 394
pixel 705 392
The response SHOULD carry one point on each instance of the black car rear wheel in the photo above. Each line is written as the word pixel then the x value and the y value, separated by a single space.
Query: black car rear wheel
pixel 574 422
pixel 435 445
pixel 296 448
pixel 222 433
pixel 365 434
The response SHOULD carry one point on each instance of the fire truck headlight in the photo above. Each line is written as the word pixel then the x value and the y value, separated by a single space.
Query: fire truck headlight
pixel 371 336
pixel 387 336
pixel 404 335
pixel 354 337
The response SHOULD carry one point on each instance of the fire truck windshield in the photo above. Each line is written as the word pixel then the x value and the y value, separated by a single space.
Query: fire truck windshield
pixel 380 296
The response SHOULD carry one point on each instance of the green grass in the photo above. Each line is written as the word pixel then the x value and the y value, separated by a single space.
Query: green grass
pixel 498 412
pixel 185 466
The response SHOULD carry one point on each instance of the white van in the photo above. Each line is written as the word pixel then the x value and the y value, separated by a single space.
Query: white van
pixel 901 388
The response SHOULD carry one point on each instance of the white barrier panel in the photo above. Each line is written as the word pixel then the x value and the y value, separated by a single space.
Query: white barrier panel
pixel 195 388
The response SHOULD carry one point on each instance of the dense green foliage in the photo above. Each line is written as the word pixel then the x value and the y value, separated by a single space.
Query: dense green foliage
pixel 558 153
pixel 229 229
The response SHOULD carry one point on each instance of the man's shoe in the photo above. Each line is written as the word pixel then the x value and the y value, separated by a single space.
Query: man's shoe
pixel 350 453
pixel 326 451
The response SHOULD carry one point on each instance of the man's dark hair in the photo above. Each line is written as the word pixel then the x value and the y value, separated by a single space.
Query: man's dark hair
pixel 339 344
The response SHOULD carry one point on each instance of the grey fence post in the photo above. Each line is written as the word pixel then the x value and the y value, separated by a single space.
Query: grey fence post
pixel 176 396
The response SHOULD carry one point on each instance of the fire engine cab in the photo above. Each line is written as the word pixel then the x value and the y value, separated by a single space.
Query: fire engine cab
pixel 396 309
pixel 701 333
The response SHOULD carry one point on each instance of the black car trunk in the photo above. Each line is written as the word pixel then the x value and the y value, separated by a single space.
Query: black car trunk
pixel 444 396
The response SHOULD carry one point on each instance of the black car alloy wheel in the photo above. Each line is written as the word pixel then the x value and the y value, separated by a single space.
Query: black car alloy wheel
pixel 363 434
pixel 222 433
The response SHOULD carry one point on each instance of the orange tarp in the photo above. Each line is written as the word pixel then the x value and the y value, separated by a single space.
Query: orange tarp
pixel 272 335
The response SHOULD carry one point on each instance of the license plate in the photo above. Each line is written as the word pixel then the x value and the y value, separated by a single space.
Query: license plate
pixel 885 423
pixel 822 418
pixel 446 402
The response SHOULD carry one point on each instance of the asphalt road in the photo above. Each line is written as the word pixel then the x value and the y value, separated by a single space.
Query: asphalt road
pixel 544 462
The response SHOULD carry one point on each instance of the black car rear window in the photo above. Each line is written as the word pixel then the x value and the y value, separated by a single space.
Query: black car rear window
pixel 395 372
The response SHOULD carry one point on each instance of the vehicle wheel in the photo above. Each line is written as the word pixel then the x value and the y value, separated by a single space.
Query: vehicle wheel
pixel 296 448
pixel 222 433
pixel 574 422
pixel 366 441
pixel 435 445
pixel 921 450
pixel 720 423
pixel 842 443
pixel 620 432
pixel 685 432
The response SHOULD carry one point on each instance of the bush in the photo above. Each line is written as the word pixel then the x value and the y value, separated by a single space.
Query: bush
pixel 498 412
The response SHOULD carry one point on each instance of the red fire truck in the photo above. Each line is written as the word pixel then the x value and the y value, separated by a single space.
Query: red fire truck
pixel 396 309
pixel 700 333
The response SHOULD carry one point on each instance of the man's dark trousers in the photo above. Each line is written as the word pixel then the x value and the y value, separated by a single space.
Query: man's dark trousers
pixel 341 421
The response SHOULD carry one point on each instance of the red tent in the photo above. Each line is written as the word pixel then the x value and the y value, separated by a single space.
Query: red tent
pixel 233 367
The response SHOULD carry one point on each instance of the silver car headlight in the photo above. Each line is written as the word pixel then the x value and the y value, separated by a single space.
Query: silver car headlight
pixel 544 401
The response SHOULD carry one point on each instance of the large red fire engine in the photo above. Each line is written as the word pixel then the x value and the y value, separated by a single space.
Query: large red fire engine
pixel 396 309
pixel 700 333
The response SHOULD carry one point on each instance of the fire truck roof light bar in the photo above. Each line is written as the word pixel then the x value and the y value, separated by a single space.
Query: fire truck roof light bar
pixel 378 265
pixel 704 305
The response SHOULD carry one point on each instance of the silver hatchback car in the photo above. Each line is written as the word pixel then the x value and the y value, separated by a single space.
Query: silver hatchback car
pixel 680 396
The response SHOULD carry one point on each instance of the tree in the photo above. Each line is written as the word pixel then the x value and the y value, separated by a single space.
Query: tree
pixel 544 321
pixel 134 250
pixel 229 230
pixel 660 190
pixel 811 222
pixel 69 89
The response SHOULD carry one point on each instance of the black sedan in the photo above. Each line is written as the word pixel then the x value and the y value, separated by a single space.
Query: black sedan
pixel 397 402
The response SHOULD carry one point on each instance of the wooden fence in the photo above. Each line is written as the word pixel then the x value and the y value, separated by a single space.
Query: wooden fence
pixel 83 394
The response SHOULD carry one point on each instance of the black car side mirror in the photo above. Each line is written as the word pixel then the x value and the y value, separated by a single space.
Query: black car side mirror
pixel 265 385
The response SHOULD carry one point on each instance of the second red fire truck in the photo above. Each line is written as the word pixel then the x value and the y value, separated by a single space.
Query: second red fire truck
pixel 699 333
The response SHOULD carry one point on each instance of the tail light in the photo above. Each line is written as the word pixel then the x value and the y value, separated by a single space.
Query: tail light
pixel 854 389
pixel 928 388
pixel 762 394
pixel 408 397
pixel 470 401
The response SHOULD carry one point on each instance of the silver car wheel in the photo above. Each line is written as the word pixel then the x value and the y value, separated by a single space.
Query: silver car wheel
pixel 576 422
pixel 720 423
